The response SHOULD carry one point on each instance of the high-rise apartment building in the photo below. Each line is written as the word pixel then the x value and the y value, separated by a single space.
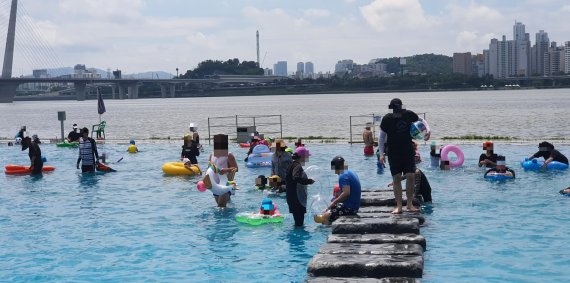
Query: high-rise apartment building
pixel 280 68
pixel 343 67
pixel 555 61
pixel 309 69
pixel 567 57
pixel 510 58
pixel 300 70
pixel 540 47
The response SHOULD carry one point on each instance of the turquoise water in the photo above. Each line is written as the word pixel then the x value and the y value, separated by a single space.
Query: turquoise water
pixel 137 225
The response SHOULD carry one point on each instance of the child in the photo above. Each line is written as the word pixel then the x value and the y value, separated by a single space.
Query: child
pixel 132 147
pixel 434 154
pixel 261 183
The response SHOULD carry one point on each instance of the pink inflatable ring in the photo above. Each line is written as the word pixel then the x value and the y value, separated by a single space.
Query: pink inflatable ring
pixel 452 148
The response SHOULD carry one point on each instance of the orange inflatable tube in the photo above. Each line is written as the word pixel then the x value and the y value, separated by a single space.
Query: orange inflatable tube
pixel 20 169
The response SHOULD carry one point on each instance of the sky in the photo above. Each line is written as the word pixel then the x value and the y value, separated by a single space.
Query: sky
pixel 162 35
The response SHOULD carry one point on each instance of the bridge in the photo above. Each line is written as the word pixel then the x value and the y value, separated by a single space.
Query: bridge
pixel 122 88
pixel 126 88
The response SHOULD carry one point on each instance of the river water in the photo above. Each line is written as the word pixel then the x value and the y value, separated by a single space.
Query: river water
pixel 527 114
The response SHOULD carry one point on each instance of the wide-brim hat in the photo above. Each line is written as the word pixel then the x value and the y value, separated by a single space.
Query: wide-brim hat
pixel 302 151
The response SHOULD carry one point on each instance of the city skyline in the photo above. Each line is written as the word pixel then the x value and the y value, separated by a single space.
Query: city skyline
pixel 138 36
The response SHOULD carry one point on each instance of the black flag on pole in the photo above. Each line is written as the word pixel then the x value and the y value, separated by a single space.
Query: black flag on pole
pixel 100 103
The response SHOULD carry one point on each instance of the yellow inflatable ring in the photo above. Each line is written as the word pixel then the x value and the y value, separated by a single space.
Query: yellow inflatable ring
pixel 177 168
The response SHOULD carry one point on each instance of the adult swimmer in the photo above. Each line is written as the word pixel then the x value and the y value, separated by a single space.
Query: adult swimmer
pixel 296 182
pixel 368 141
pixel 546 150
pixel 501 168
pixel 395 130
pixel 225 163
pixel 88 154
pixel 35 154
pixel 489 158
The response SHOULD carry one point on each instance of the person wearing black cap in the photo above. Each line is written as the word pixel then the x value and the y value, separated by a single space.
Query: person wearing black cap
pixel 74 135
pixel 546 150
pixel 348 202
pixel 395 130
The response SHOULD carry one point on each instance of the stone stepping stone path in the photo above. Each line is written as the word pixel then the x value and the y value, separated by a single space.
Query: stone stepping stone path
pixel 374 246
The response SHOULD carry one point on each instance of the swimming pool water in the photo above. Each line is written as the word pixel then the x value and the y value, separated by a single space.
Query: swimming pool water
pixel 138 225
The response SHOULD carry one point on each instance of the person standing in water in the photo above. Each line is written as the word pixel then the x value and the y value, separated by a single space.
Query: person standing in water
pixel 395 129
pixel 296 182
pixel 35 154
pixel 225 163
pixel 368 141
pixel 88 154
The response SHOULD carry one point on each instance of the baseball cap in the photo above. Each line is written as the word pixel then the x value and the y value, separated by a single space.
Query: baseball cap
pixel 395 103
pixel 302 151
pixel 337 163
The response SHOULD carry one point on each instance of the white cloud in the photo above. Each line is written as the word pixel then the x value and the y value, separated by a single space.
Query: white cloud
pixel 316 13
pixel 383 15
pixel 473 41
pixel 134 36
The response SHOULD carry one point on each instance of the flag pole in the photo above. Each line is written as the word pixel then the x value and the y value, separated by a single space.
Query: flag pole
pixel 98 102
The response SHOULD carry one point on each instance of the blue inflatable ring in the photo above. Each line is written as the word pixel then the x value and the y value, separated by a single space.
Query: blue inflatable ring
pixel 534 164
pixel 498 177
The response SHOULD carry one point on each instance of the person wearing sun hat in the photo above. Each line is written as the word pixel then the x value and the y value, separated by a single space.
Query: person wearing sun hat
pixel 280 160
pixel 296 182
pixel 74 135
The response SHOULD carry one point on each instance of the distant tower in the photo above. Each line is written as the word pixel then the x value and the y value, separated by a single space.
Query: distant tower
pixel 9 52
pixel 257 36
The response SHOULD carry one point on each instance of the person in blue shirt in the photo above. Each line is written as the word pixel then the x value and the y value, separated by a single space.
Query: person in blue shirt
pixel 348 202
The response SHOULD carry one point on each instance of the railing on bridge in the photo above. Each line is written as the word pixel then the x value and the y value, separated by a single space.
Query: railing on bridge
pixel 233 126
pixel 358 122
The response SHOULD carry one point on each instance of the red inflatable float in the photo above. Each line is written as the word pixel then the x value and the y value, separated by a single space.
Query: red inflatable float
pixel 20 169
